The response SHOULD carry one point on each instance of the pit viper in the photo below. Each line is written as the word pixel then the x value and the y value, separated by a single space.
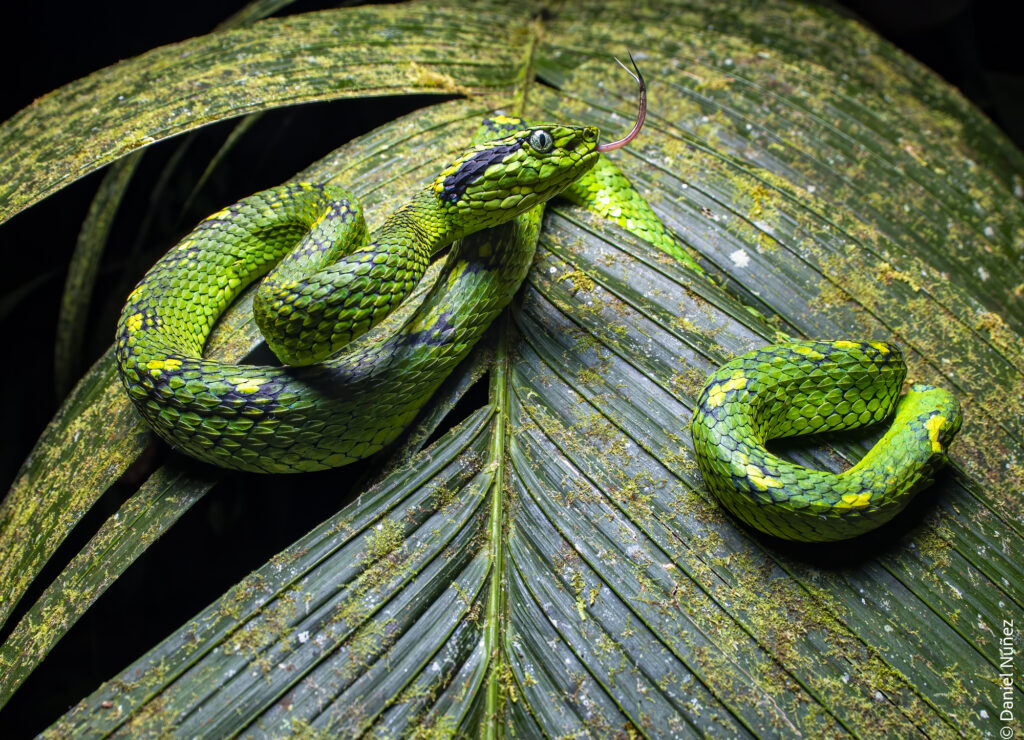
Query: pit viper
pixel 805 387
pixel 327 282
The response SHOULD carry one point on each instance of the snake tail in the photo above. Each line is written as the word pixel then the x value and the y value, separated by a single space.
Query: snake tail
pixel 809 387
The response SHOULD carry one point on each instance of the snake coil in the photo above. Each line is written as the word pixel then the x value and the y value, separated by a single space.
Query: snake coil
pixel 339 400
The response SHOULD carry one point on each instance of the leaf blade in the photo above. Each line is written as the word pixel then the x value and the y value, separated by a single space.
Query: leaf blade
pixel 356 52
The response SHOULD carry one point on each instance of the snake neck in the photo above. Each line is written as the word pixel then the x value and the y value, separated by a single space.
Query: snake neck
pixel 422 224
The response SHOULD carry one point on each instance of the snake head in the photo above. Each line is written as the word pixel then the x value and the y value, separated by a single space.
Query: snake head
pixel 521 167
pixel 495 181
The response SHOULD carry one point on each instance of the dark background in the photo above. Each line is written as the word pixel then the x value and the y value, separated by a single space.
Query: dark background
pixel 244 521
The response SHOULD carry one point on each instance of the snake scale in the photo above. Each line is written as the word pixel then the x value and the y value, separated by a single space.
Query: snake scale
pixel 336 401
pixel 796 388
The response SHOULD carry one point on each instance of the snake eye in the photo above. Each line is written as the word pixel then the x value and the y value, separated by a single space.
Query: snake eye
pixel 542 141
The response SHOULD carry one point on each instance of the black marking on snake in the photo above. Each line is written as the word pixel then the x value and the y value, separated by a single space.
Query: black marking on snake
pixel 441 333
pixel 510 124
pixel 456 184
pixel 475 262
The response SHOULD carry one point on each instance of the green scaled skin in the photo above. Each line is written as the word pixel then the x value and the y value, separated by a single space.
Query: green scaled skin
pixel 608 193
pixel 329 282
pixel 322 297
pixel 797 388
pixel 334 287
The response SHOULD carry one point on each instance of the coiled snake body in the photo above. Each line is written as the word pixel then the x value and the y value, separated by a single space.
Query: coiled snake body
pixel 331 288
pixel 795 388
pixel 335 402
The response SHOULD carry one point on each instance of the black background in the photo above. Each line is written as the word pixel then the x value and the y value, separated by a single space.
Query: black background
pixel 243 522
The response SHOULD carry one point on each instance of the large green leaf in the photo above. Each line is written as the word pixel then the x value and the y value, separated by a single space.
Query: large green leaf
pixel 92 239
pixel 318 56
pixel 553 564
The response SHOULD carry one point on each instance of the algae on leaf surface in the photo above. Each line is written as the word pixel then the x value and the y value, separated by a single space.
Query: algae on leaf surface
pixel 552 564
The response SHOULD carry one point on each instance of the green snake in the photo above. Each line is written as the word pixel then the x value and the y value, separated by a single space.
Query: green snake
pixel 328 281
pixel 799 387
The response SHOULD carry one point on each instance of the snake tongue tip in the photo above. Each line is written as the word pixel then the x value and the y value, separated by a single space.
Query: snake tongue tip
pixel 641 110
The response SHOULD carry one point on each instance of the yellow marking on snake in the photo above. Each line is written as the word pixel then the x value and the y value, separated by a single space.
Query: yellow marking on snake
pixel 934 425
pixel 156 367
pixel 802 387
pixel 809 353
pixel 761 480
pixel 735 383
pixel 246 385
pixel 857 500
